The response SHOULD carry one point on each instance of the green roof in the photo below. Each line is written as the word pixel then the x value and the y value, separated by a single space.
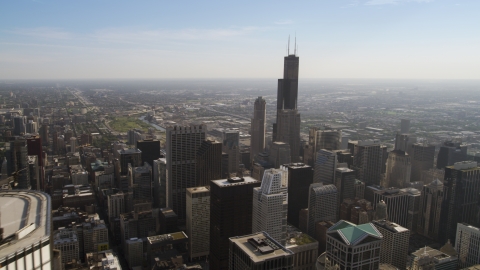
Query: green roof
pixel 353 234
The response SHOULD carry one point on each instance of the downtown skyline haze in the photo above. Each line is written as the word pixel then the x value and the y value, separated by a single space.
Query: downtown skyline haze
pixel 398 39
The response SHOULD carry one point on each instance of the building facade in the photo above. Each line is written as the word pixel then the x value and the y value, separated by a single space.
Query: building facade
pixel 198 221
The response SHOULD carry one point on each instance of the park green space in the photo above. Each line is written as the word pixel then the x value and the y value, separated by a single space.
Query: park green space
pixel 125 123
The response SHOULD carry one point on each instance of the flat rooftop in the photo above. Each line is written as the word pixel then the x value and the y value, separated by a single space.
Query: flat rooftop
pixel 25 218
pixel 260 247
pixel 235 182
pixel 198 189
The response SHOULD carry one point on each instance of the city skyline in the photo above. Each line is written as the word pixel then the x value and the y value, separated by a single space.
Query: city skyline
pixel 411 39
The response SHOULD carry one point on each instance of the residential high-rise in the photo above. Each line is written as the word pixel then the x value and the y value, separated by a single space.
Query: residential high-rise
pixel 198 221
pixel 279 154
pixel 450 153
pixel 394 249
pixel 26 230
pixel 398 170
pixel 351 246
pixel 67 242
pixel 322 138
pixel 322 205
pixel 300 178
pixel 423 156
pixel 430 209
pixel 231 141
pixel 258 128
pixel 230 215
pixel 368 160
pixel 287 126
pixel 345 183
pixel 150 150
pixel 258 251
pixel 461 189
pixel 95 236
pixel 209 159
pixel 160 183
pixel 467 245
pixel 182 146
pixel 134 252
pixel 269 212
pixel 325 165
pixel 132 156
pixel 116 205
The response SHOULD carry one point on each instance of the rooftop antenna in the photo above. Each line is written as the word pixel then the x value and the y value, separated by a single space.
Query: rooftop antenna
pixel 295 50
pixel 288 48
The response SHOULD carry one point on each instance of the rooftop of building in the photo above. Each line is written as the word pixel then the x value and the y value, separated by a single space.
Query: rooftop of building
pixel 234 181
pixel 129 151
pixel 165 238
pixel 438 255
pixel 198 189
pixel 103 260
pixel 295 237
pixel 297 165
pixel 260 247
pixel 464 166
pixel 344 170
pixel 63 235
pixel 353 234
pixel 391 226
pixel 29 223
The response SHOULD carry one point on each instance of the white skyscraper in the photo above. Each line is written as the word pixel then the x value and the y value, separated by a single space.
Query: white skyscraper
pixel 270 203
pixel 467 245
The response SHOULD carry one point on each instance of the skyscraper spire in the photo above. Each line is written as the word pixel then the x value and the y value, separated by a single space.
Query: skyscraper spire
pixel 288 48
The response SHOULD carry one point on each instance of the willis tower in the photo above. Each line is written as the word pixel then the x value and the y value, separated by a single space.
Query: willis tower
pixel 287 127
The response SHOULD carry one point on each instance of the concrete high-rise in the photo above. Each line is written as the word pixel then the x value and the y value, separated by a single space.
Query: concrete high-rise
pixel 198 221
pixel 230 215
pixel 258 128
pixel 394 249
pixel 423 156
pixel 300 178
pixel 209 159
pixel 279 154
pixel 325 165
pixel 287 126
pixel 461 189
pixel 398 170
pixel 368 160
pixel 345 183
pixel 141 184
pixel 351 246
pixel 450 153
pixel 269 213
pixel 322 205
pixel 430 210
pixel 467 245
pixel 230 145
pixel 182 146
pixel 129 156
pixel 160 183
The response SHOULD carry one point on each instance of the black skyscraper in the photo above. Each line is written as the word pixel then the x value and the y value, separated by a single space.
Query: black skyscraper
pixel 300 176
pixel 209 160
pixel 150 150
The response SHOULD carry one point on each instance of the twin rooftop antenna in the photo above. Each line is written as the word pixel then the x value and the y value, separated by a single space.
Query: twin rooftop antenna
pixel 295 50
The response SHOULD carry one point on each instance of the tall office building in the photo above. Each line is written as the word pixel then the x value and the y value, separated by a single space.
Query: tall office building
pixel 269 212
pixel 322 138
pixel 160 183
pixel 141 184
pixel 134 252
pixel 231 141
pixel 398 169
pixel 258 127
pixel 423 156
pixel 404 142
pixel 430 209
pixel 19 125
pixel 322 205
pixel 73 144
pixel 405 126
pixel 209 159
pixel 461 189
pixel 394 249
pixel 17 161
pixel 300 178
pixel 345 183
pixel 150 150
pixel 287 126
pixel 259 251
pixel 450 153
pixel 467 245
pixel 129 156
pixel 27 234
pixel 279 154
pixel 230 215
pixel 325 165
pixel 198 221
pixel 182 146
pixel 368 160
pixel 351 246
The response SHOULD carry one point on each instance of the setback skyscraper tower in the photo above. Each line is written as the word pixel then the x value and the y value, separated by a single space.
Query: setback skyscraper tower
pixel 257 144
pixel 287 127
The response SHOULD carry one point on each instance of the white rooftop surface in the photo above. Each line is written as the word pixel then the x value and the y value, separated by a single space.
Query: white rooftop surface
pixel 225 183
pixel 19 209
pixel 253 253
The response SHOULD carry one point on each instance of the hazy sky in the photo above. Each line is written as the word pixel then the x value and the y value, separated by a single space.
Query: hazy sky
pixel 239 39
